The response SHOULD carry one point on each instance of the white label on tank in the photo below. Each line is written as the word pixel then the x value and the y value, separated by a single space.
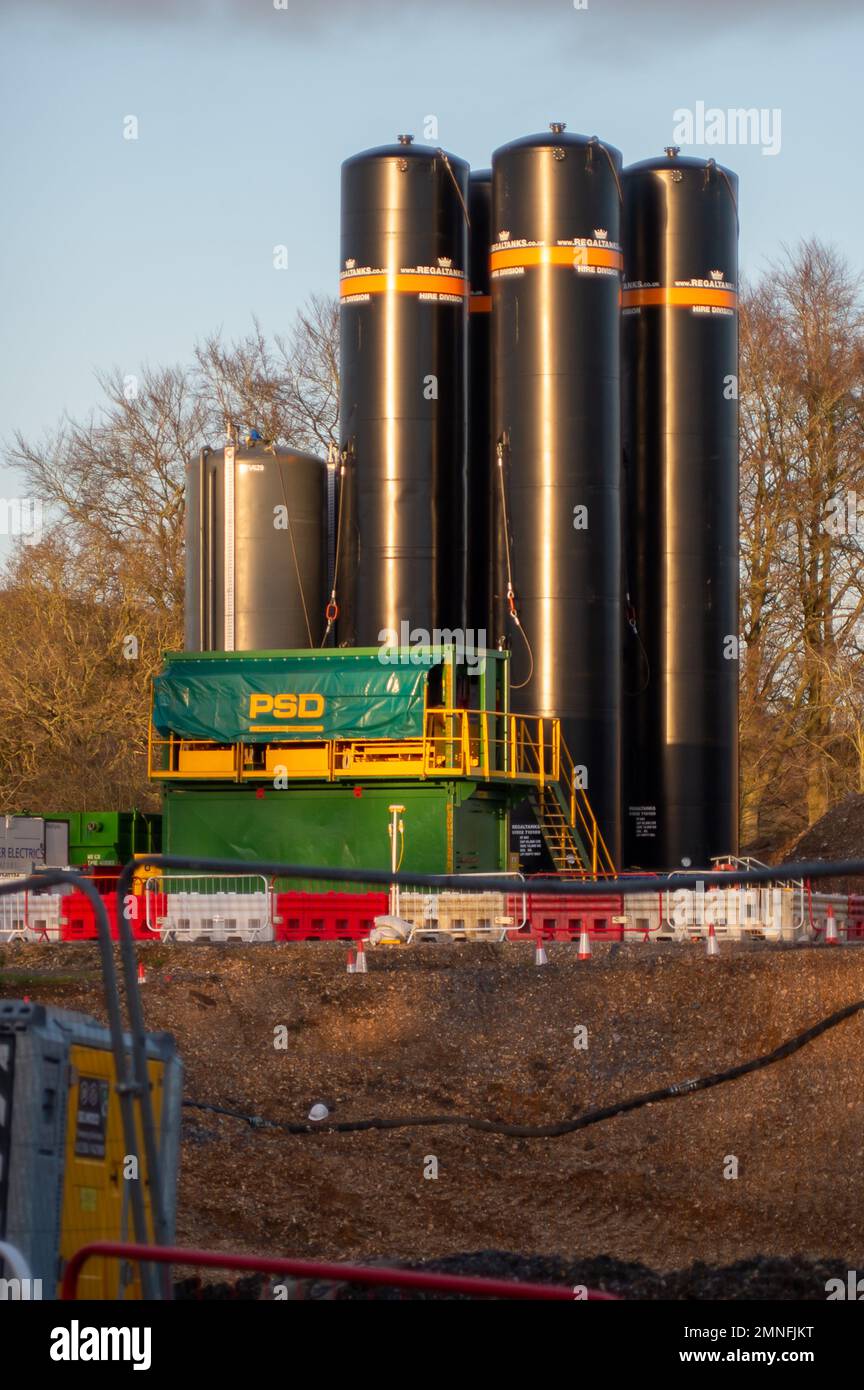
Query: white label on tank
pixel 644 821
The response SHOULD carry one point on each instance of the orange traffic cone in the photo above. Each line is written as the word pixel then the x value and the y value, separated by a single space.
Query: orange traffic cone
pixel 831 937
pixel 360 962
pixel 351 966
pixel 142 973
pixel 712 945
pixel 584 952
pixel 540 956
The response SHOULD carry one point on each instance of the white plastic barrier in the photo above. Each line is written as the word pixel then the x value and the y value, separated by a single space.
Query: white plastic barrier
pixel 468 916
pixel 768 912
pixel 30 916
pixel 765 912
pixel 216 917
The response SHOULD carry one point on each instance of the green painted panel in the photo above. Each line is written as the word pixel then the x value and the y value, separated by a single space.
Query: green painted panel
pixel 478 835
pixel 332 826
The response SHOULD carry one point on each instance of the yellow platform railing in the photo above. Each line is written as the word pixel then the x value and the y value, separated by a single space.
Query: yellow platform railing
pixel 454 743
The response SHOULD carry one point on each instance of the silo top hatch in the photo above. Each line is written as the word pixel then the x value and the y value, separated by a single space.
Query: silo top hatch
pixel 670 163
pixel 404 149
pixel 557 138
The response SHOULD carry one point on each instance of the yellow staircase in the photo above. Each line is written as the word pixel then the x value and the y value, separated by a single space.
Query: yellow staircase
pixel 568 824
pixel 569 854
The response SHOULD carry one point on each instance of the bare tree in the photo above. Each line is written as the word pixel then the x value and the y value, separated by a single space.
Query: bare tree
pixel 108 578
pixel 802 595
pixel 287 390
pixel 115 481
pixel 74 682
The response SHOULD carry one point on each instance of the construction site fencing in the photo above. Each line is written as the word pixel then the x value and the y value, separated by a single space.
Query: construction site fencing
pixel 462 914
pixel 30 916
pixel 209 907
pixel 773 903
pixel 259 907
pixel 563 918
pixel 772 912
pixel 326 916
pixel 78 922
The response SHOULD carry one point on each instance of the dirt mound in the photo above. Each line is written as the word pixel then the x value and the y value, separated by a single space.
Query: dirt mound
pixel 839 834
pixel 480 1030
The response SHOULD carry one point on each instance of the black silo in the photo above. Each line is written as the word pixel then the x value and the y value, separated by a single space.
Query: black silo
pixel 556 281
pixel 256 549
pixel 680 345
pixel 478 608
pixel 403 292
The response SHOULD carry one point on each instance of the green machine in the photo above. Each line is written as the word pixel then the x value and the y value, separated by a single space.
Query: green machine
pixel 299 756
pixel 109 837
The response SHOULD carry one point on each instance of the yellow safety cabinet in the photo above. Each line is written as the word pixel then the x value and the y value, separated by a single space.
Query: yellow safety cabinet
pixel 64 1168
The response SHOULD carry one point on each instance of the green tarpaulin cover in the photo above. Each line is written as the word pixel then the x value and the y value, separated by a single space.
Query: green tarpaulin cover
pixel 260 699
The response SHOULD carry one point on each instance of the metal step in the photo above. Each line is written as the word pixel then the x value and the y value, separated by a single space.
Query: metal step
pixel 560 837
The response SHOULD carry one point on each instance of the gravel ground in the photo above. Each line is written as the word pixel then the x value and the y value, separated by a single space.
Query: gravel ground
pixel 638 1204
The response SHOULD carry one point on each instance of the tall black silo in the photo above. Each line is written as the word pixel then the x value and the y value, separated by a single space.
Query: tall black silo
pixel 680 434
pixel 403 401
pixel 478 608
pixel 556 282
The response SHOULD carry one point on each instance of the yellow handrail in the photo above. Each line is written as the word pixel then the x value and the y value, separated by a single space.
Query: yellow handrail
pixel 580 807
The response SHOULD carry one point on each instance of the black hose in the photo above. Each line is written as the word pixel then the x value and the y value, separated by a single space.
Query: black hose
pixel 553 1131
pixel 596 143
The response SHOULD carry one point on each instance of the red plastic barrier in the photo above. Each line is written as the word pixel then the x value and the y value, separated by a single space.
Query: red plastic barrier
pixel 78 923
pixel 560 919
pixel 855 918
pixel 327 916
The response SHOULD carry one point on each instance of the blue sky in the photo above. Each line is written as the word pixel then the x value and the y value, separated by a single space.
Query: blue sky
pixel 118 252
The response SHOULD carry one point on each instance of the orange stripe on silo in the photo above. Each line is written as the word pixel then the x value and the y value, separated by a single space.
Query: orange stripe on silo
pixel 522 257
pixel 409 282
pixel 480 304
pixel 679 296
